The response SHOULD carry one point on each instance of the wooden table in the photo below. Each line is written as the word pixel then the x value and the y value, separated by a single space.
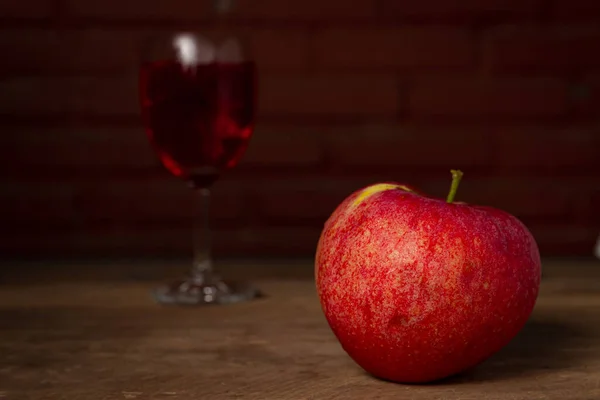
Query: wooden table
pixel 74 335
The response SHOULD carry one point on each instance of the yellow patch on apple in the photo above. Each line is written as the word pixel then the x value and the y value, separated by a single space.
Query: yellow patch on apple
pixel 374 189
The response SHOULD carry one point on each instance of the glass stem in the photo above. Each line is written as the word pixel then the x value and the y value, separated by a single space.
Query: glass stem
pixel 202 264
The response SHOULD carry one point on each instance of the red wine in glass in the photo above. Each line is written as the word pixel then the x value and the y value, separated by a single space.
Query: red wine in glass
pixel 200 118
pixel 198 111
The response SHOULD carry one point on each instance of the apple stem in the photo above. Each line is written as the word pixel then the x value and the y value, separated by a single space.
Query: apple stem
pixel 456 177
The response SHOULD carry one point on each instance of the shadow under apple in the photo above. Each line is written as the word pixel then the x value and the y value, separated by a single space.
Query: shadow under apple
pixel 542 345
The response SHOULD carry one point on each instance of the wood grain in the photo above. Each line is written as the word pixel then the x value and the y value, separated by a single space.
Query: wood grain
pixel 106 339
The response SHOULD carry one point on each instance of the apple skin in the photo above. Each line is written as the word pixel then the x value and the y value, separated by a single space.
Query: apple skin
pixel 417 289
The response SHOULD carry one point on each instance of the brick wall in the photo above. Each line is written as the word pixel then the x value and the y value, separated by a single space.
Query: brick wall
pixel 351 93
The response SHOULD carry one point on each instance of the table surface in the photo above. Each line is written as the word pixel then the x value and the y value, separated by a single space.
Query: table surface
pixel 71 337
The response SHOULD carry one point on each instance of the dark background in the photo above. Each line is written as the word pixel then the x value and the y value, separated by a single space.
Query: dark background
pixel 351 93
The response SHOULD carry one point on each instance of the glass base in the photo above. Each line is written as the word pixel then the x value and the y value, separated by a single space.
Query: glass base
pixel 194 291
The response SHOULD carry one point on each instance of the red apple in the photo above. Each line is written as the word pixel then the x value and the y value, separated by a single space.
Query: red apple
pixel 416 288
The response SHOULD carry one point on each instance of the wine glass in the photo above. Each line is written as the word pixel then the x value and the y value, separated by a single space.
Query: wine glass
pixel 197 96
